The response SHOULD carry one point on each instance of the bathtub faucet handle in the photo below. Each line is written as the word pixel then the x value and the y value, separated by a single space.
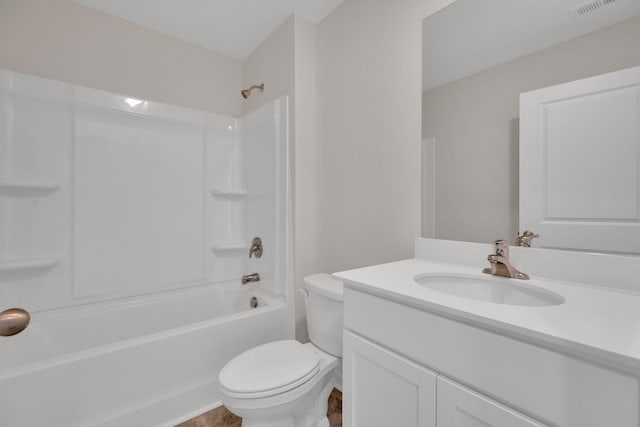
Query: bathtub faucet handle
pixel 256 248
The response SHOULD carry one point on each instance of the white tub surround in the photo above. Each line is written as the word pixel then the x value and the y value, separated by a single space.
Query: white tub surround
pixel 125 225
pixel 116 196
pixel 572 364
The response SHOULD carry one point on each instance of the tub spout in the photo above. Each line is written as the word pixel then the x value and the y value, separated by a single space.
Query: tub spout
pixel 247 278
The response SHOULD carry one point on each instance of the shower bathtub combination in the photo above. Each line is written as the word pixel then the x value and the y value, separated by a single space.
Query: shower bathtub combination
pixel 126 227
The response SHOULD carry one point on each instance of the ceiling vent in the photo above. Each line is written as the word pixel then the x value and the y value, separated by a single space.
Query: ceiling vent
pixel 590 7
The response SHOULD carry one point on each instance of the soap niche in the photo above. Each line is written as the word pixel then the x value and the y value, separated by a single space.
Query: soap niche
pixel 227 200
pixel 33 173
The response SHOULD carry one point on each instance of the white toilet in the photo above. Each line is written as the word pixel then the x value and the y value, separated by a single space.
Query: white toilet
pixel 286 383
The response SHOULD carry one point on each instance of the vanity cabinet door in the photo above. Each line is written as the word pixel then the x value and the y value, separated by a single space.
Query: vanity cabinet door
pixel 383 389
pixel 461 407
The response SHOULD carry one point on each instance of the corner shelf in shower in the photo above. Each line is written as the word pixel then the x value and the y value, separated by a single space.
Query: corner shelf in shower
pixel 26 264
pixel 229 246
pixel 226 192
pixel 27 187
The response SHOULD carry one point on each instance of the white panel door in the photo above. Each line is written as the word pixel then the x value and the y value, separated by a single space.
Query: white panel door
pixel 461 407
pixel 580 163
pixel 382 389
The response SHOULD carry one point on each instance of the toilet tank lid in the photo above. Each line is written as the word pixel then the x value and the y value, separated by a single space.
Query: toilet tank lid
pixel 324 284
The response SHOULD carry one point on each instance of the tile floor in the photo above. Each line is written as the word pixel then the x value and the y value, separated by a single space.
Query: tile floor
pixel 221 417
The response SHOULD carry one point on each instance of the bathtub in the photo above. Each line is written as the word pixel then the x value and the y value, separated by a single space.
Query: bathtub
pixel 149 361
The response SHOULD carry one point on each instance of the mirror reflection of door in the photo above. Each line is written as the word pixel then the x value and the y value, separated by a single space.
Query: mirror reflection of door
pixel 579 163
pixel 478 57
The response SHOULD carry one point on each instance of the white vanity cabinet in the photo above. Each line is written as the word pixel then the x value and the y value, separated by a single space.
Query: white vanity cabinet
pixel 385 389
pixel 460 407
pixel 406 366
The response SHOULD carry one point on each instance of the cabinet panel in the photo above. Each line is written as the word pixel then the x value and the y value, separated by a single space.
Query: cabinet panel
pixel 461 407
pixel 382 389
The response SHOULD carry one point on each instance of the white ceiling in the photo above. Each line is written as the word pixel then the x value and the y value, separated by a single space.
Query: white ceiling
pixel 470 36
pixel 233 28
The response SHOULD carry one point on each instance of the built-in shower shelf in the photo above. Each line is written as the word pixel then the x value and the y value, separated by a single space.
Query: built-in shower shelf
pixel 229 246
pixel 18 187
pixel 229 192
pixel 25 264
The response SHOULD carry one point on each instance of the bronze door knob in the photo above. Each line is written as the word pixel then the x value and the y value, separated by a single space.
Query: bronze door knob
pixel 13 321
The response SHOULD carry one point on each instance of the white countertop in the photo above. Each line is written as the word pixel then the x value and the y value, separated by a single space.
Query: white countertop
pixel 596 323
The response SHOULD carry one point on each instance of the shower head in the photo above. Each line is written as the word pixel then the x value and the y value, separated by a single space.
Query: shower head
pixel 247 92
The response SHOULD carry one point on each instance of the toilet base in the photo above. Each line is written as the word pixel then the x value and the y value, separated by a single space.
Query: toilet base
pixel 317 415
pixel 309 410
pixel 288 422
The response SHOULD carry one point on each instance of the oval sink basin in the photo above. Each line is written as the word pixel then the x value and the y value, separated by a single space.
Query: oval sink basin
pixel 489 289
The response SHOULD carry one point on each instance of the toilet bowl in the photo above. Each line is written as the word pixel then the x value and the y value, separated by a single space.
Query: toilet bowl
pixel 286 383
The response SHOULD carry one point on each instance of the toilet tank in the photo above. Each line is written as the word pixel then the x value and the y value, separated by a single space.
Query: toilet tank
pixel 323 302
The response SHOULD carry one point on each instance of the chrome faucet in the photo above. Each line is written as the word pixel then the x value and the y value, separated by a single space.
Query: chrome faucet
pixel 525 238
pixel 499 260
pixel 247 278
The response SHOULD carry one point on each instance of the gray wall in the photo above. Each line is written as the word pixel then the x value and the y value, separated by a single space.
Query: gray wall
pixel 368 131
pixel 61 40
pixel 475 123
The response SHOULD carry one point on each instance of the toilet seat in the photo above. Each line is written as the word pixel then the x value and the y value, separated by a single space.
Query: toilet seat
pixel 269 369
